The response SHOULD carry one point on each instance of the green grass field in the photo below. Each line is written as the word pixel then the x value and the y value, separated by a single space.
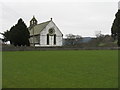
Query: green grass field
pixel 60 69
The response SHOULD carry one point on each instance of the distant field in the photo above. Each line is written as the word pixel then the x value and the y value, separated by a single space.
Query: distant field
pixel 65 69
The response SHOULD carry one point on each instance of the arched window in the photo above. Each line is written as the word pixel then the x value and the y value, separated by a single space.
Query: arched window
pixel 47 39
pixel 54 39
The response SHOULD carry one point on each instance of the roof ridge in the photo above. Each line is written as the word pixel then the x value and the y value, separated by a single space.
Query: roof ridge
pixel 41 27
pixel 43 22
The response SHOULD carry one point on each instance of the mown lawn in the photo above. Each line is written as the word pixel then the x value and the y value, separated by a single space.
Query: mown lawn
pixel 60 69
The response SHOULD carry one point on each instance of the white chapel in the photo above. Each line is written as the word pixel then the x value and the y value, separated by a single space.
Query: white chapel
pixel 45 34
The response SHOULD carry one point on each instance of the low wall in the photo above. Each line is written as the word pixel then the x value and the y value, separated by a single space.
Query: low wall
pixel 12 48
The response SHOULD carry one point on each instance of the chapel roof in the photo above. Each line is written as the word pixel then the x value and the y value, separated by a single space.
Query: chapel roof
pixel 38 28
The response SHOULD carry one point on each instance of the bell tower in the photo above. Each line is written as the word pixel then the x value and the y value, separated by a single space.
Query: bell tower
pixel 33 22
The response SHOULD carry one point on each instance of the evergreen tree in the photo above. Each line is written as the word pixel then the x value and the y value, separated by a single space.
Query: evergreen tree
pixel 18 34
pixel 6 36
pixel 115 28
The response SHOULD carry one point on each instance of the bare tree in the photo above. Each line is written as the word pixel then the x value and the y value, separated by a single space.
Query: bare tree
pixel 98 34
pixel 72 39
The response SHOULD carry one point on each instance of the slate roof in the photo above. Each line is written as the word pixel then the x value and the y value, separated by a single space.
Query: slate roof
pixel 38 28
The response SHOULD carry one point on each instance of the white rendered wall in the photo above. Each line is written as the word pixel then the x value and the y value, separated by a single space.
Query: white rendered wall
pixel 44 32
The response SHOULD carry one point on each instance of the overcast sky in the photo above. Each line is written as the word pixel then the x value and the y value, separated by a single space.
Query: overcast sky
pixel 77 17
